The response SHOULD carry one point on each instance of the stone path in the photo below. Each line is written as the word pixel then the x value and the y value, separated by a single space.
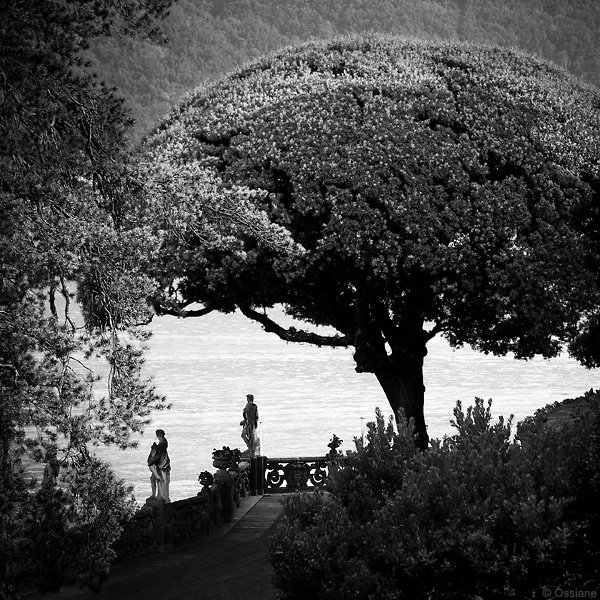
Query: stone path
pixel 230 564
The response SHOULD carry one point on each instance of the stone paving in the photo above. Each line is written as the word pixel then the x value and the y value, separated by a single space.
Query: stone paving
pixel 229 564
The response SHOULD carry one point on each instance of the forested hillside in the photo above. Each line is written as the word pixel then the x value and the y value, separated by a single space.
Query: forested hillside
pixel 208 38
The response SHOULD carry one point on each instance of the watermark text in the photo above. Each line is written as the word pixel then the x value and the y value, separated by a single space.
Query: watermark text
pixel 559 592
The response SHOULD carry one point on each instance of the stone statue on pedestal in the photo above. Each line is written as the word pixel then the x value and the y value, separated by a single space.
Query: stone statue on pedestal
pixel 160 469
pixel 250 426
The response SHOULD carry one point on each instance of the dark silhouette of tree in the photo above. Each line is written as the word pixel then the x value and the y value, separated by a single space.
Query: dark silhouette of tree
pixel 64 186
pixel 428 188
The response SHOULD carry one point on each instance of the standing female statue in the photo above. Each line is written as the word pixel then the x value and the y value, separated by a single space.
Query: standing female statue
pixel 160 467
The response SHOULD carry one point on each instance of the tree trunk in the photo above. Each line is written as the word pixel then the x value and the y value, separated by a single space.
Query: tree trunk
pixel 395 353
pixel 404 389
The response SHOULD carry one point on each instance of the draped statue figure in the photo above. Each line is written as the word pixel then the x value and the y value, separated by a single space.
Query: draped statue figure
pixel 160 467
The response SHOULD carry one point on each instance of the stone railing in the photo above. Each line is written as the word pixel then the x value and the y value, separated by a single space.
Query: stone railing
pixel 286 474
pixel 138 535
pixel 161 526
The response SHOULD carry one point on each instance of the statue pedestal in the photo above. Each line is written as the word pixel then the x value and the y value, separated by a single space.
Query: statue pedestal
pixel 223 485
pixel 154 501
pixel 162 528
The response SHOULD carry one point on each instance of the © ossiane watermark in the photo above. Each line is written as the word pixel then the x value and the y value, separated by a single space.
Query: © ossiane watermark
pixel 558 592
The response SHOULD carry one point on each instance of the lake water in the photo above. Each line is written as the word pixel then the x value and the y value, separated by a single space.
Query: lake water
pixel 206 366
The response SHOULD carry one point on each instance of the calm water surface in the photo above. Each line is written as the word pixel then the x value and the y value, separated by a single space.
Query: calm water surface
pixel 305 394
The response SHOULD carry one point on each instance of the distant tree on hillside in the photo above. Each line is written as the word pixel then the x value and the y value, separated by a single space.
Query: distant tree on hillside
pixel 428 188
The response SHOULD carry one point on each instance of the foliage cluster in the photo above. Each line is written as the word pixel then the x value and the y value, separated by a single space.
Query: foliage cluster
pixel 206 478
pixel 481 514
pixel 208 38
pixel 70 530
pixel 231 454
pixel 65 183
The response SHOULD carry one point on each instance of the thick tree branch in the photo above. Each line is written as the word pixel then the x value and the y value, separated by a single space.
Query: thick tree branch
pixel 181 312
pixel 292 334
pixel 438 328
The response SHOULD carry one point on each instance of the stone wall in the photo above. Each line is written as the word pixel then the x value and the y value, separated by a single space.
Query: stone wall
pixel 160 527
pixel 138 534
pixel 195 516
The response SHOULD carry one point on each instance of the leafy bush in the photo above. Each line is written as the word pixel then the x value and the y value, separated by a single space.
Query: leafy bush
pixel 70 530
pixel 482 513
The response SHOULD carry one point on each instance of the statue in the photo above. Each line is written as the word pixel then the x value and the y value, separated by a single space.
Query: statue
pixel 160 468
pixel 250 425
pixel 51 470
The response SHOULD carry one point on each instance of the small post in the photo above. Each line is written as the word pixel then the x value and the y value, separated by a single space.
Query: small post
pixel 261 463
pixel 258 466
pixel 253 477
pixel 223 481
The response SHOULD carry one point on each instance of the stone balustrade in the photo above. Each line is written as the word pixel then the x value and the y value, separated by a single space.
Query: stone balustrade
pixel 158 527
pixel 295 473
pixel 161 526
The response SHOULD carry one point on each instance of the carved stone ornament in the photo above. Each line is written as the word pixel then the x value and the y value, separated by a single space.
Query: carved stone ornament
pixel 296 474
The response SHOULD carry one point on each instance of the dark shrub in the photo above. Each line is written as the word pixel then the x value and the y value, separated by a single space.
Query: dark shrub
pixel 479 514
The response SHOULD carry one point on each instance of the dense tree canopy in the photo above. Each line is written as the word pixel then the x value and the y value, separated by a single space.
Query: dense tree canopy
pixel 64 188
pixel 428 188
pixel 209 38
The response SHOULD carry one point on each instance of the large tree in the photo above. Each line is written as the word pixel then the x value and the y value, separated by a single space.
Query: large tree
pixel 428 188
pixel 64 189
